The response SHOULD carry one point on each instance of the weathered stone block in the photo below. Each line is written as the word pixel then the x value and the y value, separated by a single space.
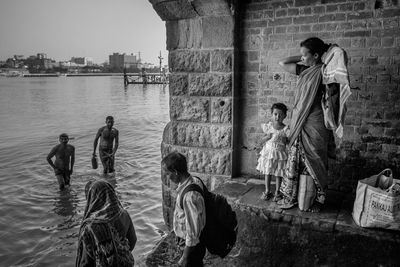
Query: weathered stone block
pixel 206 178
pixel 184 34
pixel 200 135
pixel 221 110
pixel 172 28
pixel 166 195
pixel 189 61
pixel 221 60
pixel 210 161
pixel 211 7
pixel 189 109
pixel 178 84
pixel 168 216
pixel 217 181
pixel 166 148
pixel 210 84
pixel 174 10
pixel 167 133
pixel 218 32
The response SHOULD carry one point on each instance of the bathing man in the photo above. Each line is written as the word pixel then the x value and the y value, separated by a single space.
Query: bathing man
pixel 65 159
pixel 108 135
pixel 190 219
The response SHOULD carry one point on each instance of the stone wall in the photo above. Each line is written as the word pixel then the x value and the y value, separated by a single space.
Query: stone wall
pixel 200 44
pixel 225 77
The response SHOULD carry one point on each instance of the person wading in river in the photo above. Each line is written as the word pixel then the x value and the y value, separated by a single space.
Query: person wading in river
pixel 108 136
pixel 65 159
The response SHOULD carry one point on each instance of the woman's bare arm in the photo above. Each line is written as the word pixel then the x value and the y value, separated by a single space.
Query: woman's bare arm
pixel 289 63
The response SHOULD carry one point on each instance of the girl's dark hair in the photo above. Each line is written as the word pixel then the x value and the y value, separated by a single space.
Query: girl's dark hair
pixel 175 161
pixel 279 106
pixel 315 45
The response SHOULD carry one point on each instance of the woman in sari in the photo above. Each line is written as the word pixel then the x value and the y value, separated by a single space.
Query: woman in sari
pixel 107 235
pixel 309 138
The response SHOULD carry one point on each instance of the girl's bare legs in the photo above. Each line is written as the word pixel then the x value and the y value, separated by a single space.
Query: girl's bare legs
pixel 277 195
pixel 268 183
pixel 266 195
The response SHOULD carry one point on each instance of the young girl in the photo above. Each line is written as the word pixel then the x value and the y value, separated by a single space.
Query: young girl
pixel 273 156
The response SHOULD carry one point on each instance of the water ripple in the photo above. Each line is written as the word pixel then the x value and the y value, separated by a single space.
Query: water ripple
pixel 39 223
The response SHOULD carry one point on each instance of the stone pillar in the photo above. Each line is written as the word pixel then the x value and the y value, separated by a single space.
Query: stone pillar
pixel 200 45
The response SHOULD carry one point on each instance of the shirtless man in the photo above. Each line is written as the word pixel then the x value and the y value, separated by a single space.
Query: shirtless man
pixel 65 159
pixel 106 148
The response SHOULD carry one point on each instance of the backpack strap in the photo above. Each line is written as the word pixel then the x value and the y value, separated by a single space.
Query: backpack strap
pixel 205 190
pixel 191 187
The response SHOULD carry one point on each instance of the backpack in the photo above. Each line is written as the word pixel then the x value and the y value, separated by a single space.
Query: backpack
pixel 219 233
pixel 110 249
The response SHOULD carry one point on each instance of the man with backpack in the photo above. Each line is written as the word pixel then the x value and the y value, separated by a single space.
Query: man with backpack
pixel 190 218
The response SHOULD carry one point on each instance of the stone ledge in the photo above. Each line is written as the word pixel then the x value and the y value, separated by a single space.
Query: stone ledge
pixel 270 236
pixel 335 217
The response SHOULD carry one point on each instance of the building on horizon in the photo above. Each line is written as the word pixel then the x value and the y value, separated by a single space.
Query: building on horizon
pixel 85 61
pixel 17 61
pixel 39 63
pixel 119 61
pixel 41 56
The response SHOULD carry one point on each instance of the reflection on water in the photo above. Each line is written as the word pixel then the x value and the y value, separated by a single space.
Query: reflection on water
pixel 65 204
pixel 39 224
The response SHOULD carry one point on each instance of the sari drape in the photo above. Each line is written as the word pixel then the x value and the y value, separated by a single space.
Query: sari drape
pixel 308 140
pixel 334 72
pixel 103 215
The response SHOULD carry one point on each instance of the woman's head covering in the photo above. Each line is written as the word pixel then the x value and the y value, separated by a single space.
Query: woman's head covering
pixel 102 202
pixel 102 208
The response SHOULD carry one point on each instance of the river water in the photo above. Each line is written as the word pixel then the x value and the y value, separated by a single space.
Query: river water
pixel 38 222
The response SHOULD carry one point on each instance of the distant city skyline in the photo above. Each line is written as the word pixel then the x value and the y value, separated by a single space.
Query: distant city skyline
pixel 90 28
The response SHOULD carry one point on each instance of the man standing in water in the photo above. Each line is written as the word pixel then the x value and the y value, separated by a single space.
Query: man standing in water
pixel 65 159
pixel 107 149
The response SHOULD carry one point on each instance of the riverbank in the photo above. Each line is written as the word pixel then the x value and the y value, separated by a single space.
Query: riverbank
pixel 70 74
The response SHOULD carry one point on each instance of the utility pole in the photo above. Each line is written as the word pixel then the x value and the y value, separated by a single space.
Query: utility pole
pixel 160 58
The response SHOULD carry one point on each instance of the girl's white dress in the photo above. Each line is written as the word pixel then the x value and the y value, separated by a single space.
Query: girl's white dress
pixel 273 156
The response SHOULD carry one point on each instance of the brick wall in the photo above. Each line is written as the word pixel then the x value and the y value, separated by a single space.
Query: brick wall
pixel 369 32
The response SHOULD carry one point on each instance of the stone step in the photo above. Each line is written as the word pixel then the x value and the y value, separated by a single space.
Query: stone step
pixel 270 236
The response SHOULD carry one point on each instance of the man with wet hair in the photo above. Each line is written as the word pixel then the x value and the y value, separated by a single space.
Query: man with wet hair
pixel 108 135
pixel 65 159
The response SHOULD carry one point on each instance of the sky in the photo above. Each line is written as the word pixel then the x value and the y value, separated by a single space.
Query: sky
pixel 81 28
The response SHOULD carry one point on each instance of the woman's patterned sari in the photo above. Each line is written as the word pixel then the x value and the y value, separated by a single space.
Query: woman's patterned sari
pixel 308 140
